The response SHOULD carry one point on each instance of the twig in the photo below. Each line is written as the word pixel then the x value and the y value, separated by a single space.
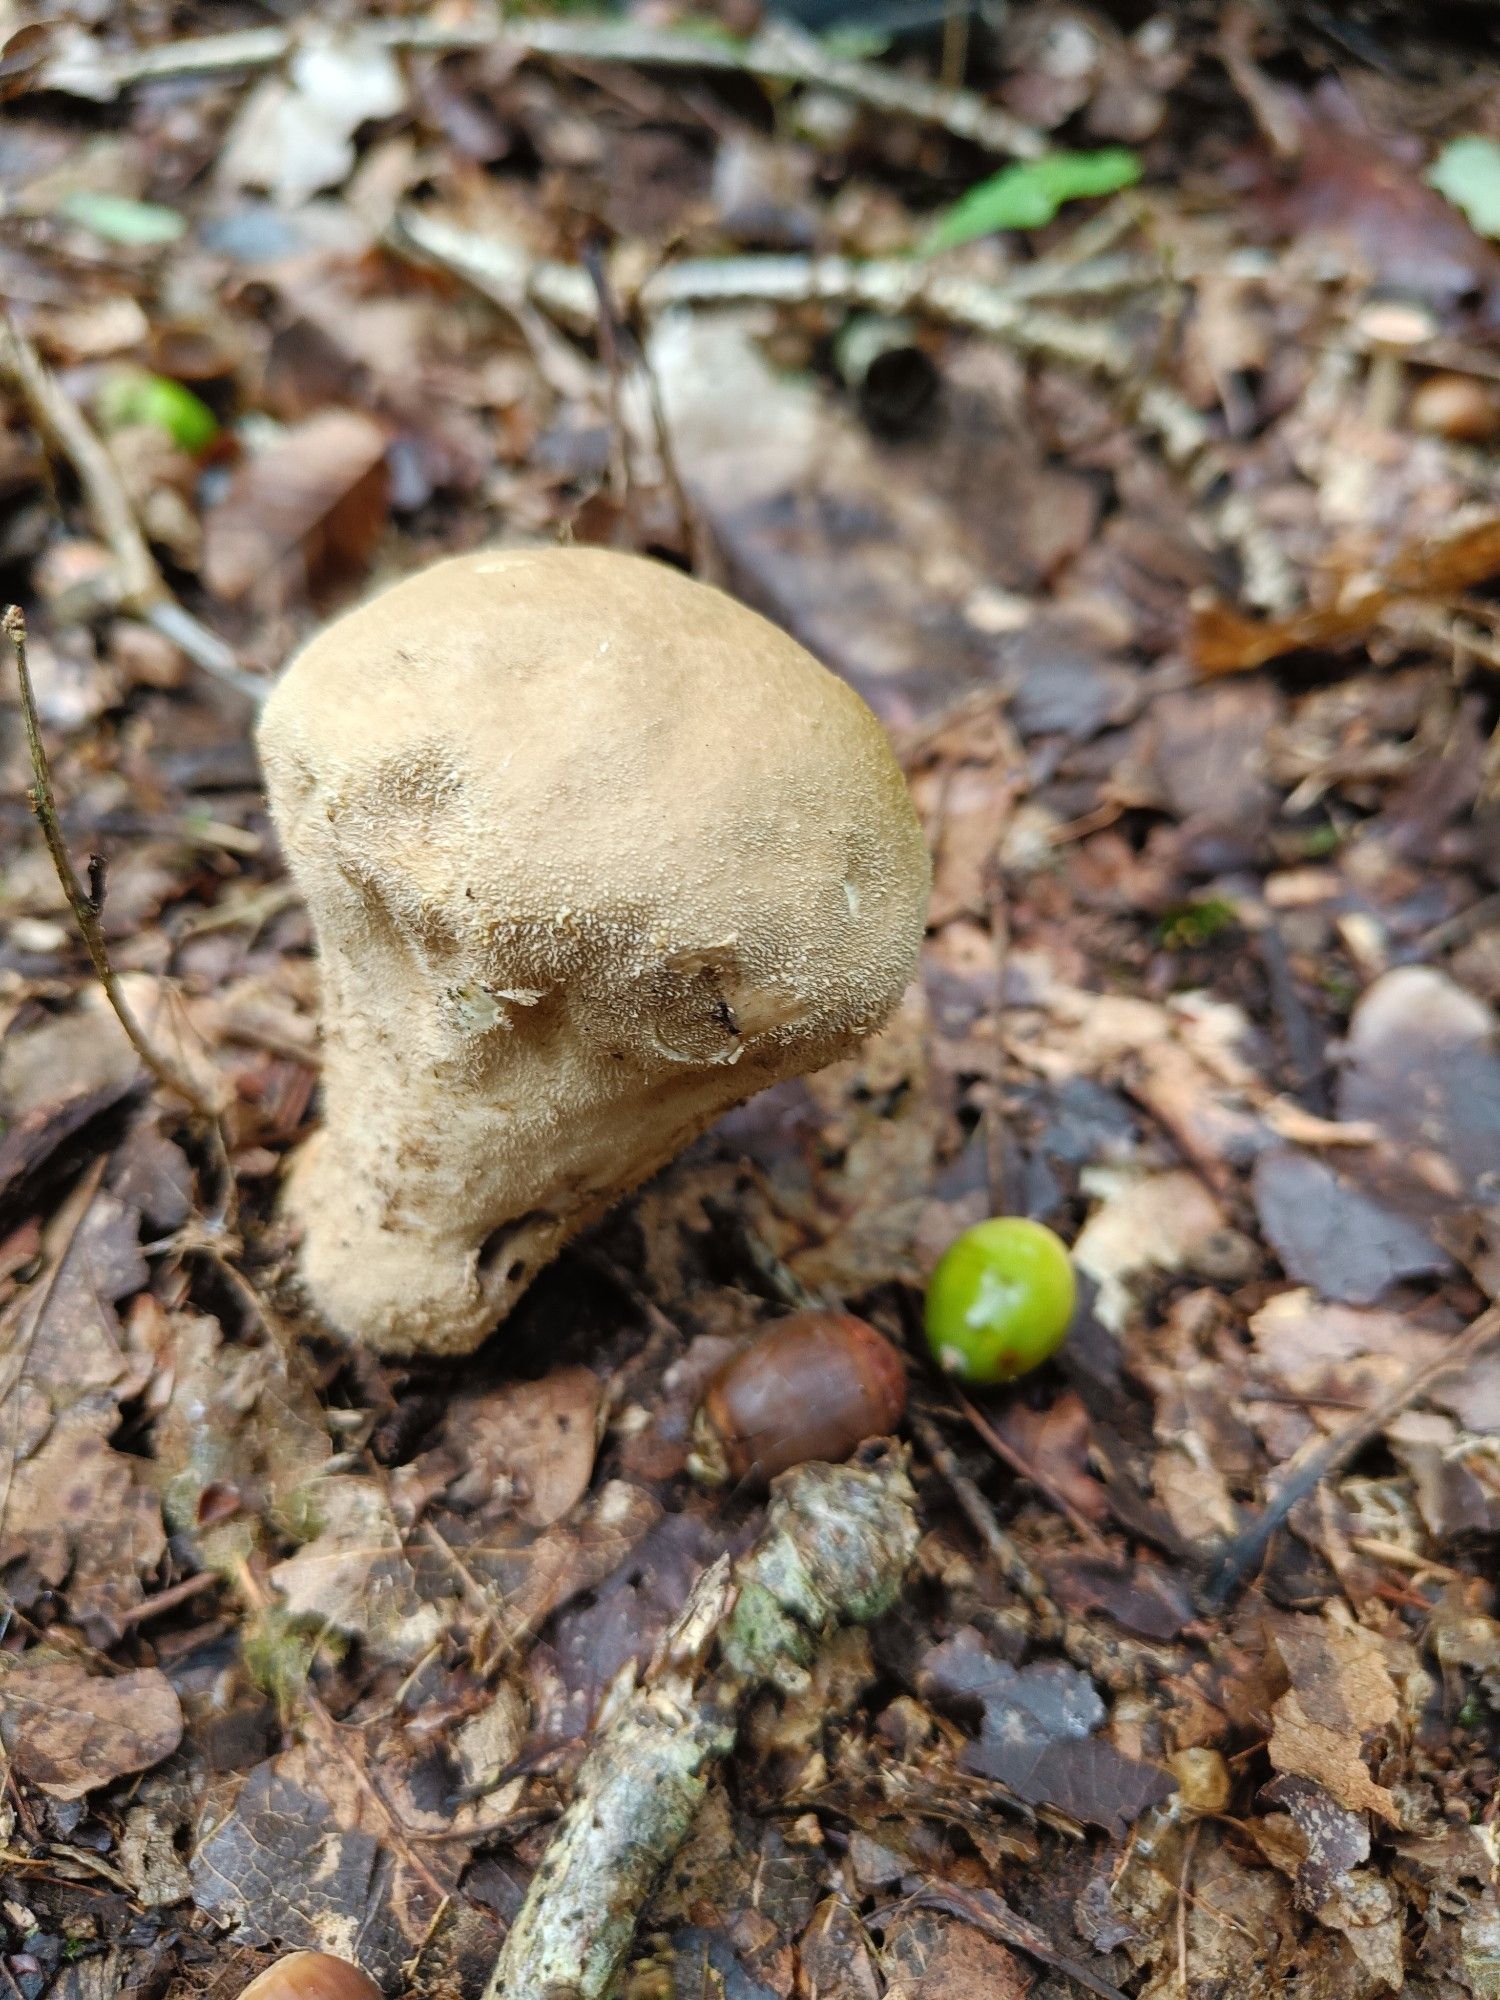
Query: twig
pixel 1022 1576
pixel 142 589
pixel 1247 1550
pixel 984 1911
pixel 85 914
pixel 1010 311
pixel 835 1549
pixel 981 1425
pixel 778 54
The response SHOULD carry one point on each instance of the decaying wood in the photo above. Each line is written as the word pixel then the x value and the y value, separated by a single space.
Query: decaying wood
pixel 835 1550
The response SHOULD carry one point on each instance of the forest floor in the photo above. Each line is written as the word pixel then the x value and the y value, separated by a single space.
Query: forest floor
pixel 1162 536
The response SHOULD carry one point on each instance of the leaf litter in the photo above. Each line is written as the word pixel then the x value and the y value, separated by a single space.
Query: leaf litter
pixel 1176 589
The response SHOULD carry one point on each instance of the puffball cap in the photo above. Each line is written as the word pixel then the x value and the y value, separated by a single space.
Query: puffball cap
pixel 592 853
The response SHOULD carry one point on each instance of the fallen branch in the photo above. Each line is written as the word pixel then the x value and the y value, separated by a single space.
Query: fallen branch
pixel 140 586
pixel 1013 311
pixel 84 907
pixel 777 54
pixel 835 1550
pixel 1246 1552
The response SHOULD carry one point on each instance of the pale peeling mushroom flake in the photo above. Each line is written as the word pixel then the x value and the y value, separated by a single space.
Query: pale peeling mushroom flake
pixel 592 854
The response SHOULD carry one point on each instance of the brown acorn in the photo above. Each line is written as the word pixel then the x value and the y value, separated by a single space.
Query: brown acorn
pixel 813 1386
pixel 1461 407
pixel 311 1975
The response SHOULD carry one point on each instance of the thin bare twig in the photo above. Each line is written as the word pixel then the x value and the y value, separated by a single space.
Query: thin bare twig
pixel 85 912
pixel 142 589
pixel 991 1915
pixel 1054 1495
pixel 1247 1550
pixel 778 54
pixel 1021 1575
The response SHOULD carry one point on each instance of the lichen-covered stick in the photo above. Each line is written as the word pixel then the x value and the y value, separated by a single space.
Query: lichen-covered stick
pixel 836 1547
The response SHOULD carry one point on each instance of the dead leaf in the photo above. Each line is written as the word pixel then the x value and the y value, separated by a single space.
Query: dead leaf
pixel 294 134
pixel 932 1957
pixel 834 1958
pixel 317 494
pixel 1040 1735
pixel 353 1576
pixel 528 1446
pixel 1421 1063
pixel 1331 1234
pixel 1142 1224
pixel 1341 1696
pixel 305 1859
pixel 1226 641
pixel 69 1731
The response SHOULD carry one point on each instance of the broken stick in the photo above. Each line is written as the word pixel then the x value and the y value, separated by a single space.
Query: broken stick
pixel 835 1550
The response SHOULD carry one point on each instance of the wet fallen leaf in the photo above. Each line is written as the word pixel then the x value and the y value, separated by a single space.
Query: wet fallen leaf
pixel 1040 1735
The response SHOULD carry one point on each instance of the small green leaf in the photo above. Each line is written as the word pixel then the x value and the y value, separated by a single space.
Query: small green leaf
pixel 1187 925
pixel 119 220
pixel 1467 171
pixel 1031 192
pixel 132 396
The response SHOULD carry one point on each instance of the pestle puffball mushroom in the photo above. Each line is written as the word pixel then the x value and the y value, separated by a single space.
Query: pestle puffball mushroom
pixel 592 853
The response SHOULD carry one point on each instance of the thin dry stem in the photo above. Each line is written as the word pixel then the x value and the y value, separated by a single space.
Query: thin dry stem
pixel 141 587
pixel 85 913
pixel 1248 1549
pixel 779 53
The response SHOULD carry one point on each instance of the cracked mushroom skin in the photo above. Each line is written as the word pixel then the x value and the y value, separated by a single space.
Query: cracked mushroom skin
pixel 592 854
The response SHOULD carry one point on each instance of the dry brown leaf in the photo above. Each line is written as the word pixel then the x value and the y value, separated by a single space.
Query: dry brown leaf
pixel 318 492
pixel 1142 1224
pixel 1341 1695
pixel 528 1446
pixel 1226 641
pixel 354 1577
pixel 69 1731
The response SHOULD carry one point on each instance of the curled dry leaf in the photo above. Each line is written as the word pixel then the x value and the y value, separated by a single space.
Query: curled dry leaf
pixel 68 1731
